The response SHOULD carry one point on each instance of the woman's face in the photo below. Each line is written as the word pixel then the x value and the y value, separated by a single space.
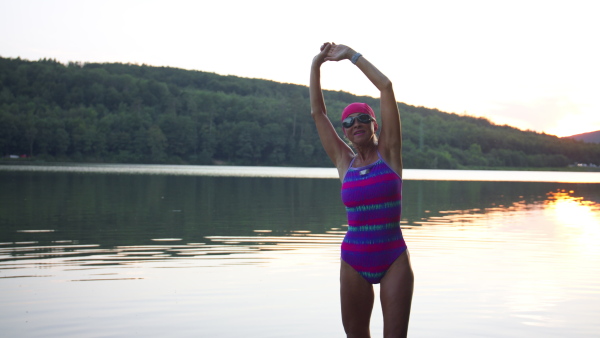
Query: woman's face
pixel 359 132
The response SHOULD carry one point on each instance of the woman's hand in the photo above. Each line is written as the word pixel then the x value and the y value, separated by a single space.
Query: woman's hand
pixel 339 52
pixel 319 59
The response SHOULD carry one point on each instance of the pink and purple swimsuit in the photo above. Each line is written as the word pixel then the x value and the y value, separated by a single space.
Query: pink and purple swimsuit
pixel 373 198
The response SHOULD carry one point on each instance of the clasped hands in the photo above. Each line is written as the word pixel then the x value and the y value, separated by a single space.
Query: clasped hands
pixel 332 52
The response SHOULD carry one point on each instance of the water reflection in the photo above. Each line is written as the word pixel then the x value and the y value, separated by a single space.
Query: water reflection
pixel 578 227
pixel 108 220
pixel 526 260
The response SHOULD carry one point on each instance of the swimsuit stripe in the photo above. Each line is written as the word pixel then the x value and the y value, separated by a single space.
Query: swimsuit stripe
pixel 373 227
pixel 373 276
pixel 358 183
pixel 368 247
pixel 373 199
pixel 369 207
pixel 359 223
pixel 374 243
pixel 374 269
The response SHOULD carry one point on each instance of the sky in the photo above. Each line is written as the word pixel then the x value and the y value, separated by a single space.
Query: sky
pixel 531 64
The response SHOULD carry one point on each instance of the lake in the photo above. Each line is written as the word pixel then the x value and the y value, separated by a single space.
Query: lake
pixel 119 250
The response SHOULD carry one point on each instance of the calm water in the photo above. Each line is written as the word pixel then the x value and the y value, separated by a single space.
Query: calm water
pixel 113 251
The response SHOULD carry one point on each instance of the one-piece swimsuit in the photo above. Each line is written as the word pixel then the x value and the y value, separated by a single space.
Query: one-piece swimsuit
pixel 373 198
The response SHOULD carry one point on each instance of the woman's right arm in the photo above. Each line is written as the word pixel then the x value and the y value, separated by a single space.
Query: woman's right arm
pixel 337 150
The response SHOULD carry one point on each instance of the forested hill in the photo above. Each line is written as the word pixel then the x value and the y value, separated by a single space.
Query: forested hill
pixel 140 114
pixel 591 137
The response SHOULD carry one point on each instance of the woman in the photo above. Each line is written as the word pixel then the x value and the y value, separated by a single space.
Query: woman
pixel 373 250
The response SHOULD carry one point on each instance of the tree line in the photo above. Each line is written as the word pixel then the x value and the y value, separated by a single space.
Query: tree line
pixel 126 113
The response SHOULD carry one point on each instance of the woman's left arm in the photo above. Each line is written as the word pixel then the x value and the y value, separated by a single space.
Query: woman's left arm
pixel 390 137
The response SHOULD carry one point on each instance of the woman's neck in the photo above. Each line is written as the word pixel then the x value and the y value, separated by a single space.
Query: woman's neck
pixel 366 155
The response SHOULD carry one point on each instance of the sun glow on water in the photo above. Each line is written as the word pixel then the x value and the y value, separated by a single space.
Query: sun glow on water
pixel 580 219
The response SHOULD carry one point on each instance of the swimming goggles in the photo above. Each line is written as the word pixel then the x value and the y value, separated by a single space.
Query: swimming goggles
pixel 362 118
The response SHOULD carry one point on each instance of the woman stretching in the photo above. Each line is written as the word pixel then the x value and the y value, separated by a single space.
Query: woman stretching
pixel 373 250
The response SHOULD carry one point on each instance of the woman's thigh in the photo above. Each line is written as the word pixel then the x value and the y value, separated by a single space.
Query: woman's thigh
pixel 357 299
pixel 396 297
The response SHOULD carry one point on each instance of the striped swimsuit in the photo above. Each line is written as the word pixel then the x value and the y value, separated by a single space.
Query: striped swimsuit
pixel 373 198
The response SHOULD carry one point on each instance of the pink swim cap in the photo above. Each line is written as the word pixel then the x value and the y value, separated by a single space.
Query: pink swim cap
pixel 358 107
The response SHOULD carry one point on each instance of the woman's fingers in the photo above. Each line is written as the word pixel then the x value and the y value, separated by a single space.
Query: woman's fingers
pixel 325 45
pixel 325 49
pixel 332 55
pixel 337 53
pixel 320 58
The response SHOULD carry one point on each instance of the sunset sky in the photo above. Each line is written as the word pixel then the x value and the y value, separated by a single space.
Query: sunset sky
pixel 531 64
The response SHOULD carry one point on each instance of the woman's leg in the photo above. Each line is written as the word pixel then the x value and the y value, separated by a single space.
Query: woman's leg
pixel 396 297
pixel 357 302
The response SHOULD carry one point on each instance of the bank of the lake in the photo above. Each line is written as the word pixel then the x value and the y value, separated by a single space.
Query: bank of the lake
pixel 35 161
pixel 304 172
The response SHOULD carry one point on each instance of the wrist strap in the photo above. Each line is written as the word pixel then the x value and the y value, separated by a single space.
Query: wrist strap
pixel 355 57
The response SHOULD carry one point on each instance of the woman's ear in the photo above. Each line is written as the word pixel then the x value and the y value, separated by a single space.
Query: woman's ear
pixel 376 125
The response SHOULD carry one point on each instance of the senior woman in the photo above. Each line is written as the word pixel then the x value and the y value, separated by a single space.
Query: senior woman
pixel 373 250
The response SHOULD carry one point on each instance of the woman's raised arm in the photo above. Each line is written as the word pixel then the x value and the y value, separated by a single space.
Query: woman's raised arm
pixel 390 137
pixel 337 150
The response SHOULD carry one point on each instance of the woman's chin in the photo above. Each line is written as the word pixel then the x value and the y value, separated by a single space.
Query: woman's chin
pixel 361 140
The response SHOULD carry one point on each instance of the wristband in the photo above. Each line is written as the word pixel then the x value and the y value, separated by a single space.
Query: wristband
pixel 355 57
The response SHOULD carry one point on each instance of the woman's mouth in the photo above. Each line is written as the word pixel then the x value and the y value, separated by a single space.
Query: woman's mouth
pixel 359 132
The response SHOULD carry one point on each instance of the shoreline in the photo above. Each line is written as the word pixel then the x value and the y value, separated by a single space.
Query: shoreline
pixel 554 176
pixel 33 162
